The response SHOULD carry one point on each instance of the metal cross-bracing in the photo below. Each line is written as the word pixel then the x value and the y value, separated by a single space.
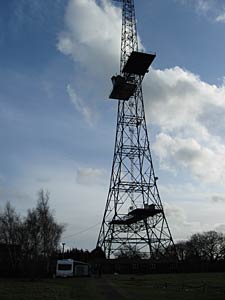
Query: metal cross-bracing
pixel 134 218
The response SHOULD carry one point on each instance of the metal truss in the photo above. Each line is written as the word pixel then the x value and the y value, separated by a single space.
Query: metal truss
pixel 133 184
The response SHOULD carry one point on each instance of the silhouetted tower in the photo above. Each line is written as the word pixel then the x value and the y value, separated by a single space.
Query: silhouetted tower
pixel 134 219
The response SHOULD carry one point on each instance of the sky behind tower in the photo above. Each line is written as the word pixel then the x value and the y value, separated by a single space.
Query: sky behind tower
pixel 57 125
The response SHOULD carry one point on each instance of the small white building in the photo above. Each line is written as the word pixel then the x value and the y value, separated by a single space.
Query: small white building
pixel 71 268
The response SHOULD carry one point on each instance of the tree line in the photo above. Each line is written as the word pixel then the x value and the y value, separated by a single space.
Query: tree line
pixel 207 246
pixel 31 238
pixel 83 255
pixel 34 239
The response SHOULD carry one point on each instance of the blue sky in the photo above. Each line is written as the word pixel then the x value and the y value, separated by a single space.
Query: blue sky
pixel 57 125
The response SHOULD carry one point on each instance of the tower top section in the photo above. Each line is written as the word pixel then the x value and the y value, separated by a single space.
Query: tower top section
pixel 133 64
pixel 129 40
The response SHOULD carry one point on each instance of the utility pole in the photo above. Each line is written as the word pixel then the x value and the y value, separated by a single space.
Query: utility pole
pixel 63 244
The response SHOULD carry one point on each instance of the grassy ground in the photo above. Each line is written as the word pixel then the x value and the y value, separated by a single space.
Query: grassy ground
pixel 207 286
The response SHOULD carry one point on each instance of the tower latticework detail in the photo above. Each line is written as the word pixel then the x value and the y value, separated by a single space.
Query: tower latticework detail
pixel 134 218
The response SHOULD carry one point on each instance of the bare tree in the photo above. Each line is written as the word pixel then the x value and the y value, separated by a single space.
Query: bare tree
pixel 129 252
pixel 10 232
pixel 31 244
pixel 43 232
pixel 37 235
pixel 206 246
pixel 9 225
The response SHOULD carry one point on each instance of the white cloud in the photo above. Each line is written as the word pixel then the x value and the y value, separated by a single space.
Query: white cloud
pixel 191 122
pixel 184 98
pixel 95 52
pixel 80 106
pixel 209 8
pixel 193 110
pixel 90 176
pixel 205 162
pixel 84 38
pixel 92 36
pixel 221 18
pixel 182 93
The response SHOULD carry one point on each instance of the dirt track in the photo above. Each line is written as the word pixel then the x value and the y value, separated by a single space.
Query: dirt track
pixel 108 290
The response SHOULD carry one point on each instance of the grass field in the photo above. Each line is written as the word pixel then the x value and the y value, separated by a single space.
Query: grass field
pixel 207 286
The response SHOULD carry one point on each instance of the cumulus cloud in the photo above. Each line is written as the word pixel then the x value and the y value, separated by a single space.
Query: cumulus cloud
pixel 205 162
pixel 90 176
pixel 92 36
pixel 184 98
pixel 221 18
pixel 193 110
pixel 191 122
pixel 84 38
pixel 95 52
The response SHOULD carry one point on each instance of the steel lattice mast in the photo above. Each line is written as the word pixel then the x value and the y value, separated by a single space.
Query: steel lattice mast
pixel 134 218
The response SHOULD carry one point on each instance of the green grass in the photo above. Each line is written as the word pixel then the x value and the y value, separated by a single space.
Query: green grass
pixel 207 286
pixel 48 289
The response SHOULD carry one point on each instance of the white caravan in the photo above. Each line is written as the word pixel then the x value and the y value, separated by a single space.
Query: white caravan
pixel 64 268
pixel 72 268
